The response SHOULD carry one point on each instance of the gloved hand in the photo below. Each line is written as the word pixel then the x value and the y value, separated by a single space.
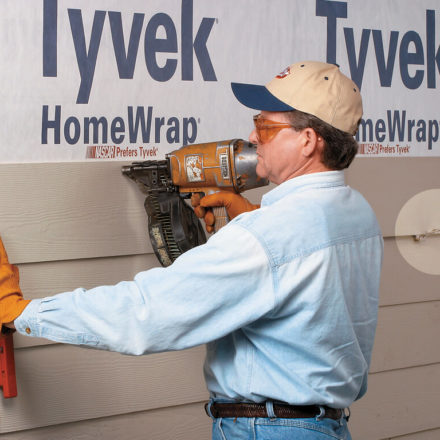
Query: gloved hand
pixel 235 204
pixel 11 298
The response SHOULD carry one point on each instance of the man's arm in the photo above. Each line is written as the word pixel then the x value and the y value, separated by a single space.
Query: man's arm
pixel 206 293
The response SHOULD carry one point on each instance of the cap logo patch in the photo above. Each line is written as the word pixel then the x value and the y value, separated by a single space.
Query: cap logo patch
pixel 284 73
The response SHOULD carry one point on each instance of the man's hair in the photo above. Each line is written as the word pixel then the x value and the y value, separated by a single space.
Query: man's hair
pixel 340 147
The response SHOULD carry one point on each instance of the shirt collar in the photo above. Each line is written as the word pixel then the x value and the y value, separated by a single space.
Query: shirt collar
pixel 325 179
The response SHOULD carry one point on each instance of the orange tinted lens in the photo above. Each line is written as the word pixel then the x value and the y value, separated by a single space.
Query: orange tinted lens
pixel 267 129
pixel 266 134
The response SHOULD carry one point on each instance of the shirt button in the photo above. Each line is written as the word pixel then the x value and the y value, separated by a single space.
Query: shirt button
pixel 28 330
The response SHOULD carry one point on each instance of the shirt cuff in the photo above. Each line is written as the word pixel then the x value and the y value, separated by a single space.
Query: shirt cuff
pixel 26 323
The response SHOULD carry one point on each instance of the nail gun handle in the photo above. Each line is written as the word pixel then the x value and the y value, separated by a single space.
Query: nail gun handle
pixel 221 217
pixel 7 365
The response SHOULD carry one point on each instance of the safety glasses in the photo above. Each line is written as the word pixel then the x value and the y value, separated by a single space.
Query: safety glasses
pixel 267 129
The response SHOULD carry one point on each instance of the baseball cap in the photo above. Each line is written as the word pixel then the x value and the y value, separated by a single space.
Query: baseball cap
pixel 313 87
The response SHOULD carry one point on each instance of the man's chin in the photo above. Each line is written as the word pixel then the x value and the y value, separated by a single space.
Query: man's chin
pixel 261 172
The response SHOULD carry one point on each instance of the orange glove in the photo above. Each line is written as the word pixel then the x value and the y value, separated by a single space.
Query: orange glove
pixel 11 298
pixel 235 204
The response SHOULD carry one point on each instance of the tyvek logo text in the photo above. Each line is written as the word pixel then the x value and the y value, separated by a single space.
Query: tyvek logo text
pixel 87 52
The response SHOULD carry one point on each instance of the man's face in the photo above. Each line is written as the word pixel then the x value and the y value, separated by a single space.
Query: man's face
pixel 281 158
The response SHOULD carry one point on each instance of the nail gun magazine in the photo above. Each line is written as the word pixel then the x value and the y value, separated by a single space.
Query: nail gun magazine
pixel 205 168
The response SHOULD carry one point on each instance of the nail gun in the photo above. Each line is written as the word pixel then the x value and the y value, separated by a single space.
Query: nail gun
pixel 200 168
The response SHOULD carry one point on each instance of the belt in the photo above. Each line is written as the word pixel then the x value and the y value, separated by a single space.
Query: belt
pixel 220 410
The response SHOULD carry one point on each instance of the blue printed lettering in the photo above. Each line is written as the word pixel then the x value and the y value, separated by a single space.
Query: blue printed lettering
pixel 432 57
pixel 95 123
pixel 153 45
pixel 72 130
pixel 398 128
pixel 198 45
pixel 380 130
pixel 189 124
pixel 421 131
pixel 86 58
pixel 159 70
pixel 396 125
pixel 158 124
pixel 357 64
pixel 385 68
pixel 332 10
pixel 173 131
pixel 118 126
pixel 50 12
pixel 432 133
pixel 51 124
pixel 408 58
pixel 139 122
pixel 98 130
pixel 412 49
pixel 126 61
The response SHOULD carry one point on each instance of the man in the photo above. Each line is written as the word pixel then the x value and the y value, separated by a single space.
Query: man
pixel 285 296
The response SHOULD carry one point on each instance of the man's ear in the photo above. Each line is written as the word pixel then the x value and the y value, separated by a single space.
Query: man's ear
pixel 312 142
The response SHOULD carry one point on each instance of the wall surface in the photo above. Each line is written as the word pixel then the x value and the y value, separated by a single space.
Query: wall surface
pixel 86 86
pixel 405 371
pixel 83 224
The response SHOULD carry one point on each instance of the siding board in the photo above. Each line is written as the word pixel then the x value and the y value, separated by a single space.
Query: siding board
pixel 63 211
pixel 432 434
pixel 397 403
pixel 60 383
pixel 407 336
pixel 83 224
pixel 401 283
pixel 56 384
pixel 389 182
pixel 73 210
pixel 185 422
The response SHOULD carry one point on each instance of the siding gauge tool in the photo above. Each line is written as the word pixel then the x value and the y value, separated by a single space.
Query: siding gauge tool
pixel 7 364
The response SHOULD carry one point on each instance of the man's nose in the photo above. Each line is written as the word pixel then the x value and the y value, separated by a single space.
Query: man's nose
pixel 253 136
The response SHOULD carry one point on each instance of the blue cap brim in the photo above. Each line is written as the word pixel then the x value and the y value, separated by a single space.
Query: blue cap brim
pixel 259 98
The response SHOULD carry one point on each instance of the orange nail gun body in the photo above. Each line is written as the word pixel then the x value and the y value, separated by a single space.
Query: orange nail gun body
pixel 204 168
pixel 214 166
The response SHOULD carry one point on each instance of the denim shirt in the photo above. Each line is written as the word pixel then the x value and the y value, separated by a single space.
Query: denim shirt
pixel 285 297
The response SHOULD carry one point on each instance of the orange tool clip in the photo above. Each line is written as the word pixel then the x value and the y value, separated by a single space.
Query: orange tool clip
pixel 7 365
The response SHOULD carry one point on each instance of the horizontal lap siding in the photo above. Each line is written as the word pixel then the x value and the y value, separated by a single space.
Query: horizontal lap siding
pixel 389 182
pixel 61 383
pixel 83 224
pixel 63 211
pixel 398 402
pixel 401 283
pixel 407 336
pixel 185 422
pixel 432 434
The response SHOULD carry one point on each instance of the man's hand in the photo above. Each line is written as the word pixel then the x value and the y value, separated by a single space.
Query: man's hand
pixel 235 205
pixel 11 298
